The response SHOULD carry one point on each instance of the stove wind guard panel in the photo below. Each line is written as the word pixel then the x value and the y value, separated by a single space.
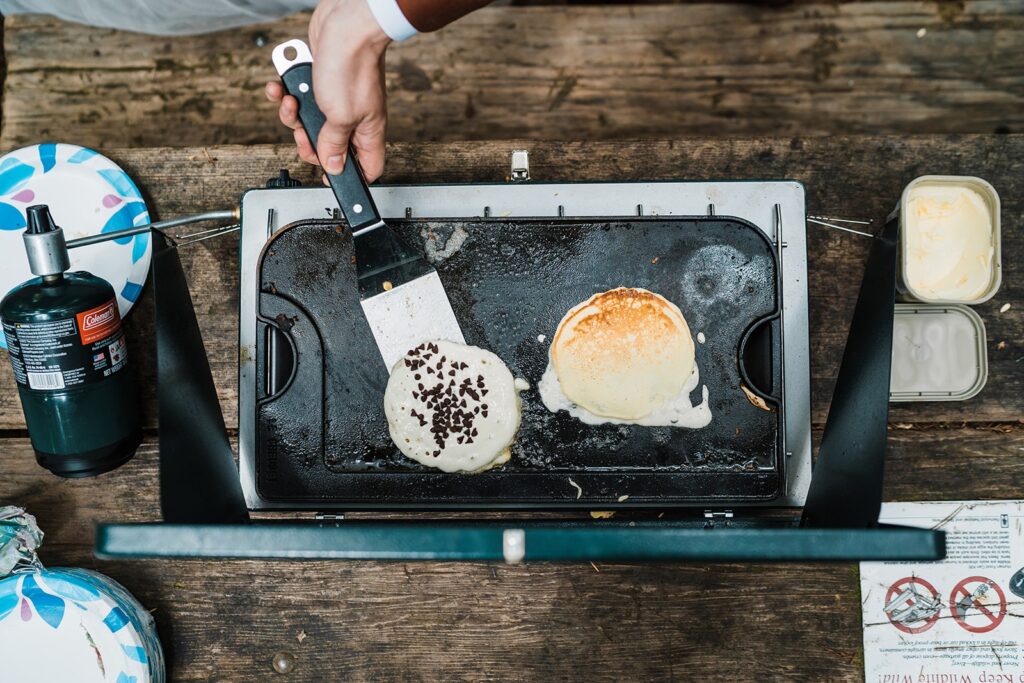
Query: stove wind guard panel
pixel 312 429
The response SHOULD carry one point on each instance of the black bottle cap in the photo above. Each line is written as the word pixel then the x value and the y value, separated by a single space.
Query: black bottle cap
pixel 39 220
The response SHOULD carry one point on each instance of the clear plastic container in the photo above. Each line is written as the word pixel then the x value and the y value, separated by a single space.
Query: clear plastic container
pixel 938 353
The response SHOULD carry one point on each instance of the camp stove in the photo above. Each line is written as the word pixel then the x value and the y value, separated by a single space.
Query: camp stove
pixel 769 508
pixel 776 208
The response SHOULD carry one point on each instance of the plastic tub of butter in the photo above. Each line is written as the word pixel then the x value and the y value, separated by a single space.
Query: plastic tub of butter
pixel 938 353
pixel 949 240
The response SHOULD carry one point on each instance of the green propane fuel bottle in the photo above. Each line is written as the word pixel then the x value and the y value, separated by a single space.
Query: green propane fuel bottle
pixel 68 351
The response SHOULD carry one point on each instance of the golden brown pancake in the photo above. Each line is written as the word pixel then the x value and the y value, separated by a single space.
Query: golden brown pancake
pixel 623 353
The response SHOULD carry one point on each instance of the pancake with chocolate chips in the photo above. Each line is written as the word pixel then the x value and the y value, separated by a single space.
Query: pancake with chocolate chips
pixel 452 406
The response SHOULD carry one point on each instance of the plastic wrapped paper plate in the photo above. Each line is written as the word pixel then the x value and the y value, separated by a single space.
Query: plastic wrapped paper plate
pixel 75 625
pixel 88 194
pixel 67 624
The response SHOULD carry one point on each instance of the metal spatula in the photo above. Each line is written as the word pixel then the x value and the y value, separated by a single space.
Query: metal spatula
pixel 402 296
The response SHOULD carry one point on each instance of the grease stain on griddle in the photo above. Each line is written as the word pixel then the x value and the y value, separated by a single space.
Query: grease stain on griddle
pixel 284 322
pixel 440 244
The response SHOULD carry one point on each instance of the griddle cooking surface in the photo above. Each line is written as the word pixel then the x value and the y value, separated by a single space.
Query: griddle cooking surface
pixel 324 436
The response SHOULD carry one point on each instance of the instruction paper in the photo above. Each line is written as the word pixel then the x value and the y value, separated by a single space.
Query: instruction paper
pixel 956 621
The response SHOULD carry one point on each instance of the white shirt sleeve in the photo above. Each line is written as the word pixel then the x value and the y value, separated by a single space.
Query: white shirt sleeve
pixel 389 15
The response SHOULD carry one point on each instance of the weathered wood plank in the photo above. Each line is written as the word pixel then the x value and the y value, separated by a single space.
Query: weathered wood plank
pixel 849 177
pixel 388 622
pixel 553 73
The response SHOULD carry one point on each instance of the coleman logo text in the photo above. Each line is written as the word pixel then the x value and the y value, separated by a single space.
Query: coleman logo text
pixel 98 324
pixel 98 318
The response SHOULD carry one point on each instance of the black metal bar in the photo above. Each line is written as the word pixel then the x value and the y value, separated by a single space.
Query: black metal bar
pixel 198 477
pixel 846 487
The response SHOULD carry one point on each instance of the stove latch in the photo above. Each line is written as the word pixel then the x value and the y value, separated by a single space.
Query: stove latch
pixel 330 517
pixel 520 165
pixel 713 517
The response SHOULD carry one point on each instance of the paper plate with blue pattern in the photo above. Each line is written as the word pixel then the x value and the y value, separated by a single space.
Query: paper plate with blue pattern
pixel 75 625
pixel 87 194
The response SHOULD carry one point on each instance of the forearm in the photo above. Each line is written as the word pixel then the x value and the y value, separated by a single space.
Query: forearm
pixel 402 19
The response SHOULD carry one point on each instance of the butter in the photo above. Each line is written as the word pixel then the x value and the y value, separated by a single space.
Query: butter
pixel 948 243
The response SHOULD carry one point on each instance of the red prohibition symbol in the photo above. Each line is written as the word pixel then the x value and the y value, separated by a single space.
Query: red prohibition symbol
pixel 914 605
pixel 965 601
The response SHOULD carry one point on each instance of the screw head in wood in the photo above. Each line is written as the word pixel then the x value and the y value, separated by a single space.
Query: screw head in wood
pixel 283 662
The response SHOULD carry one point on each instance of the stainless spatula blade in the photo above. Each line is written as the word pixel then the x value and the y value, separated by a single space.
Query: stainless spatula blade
pixel 409 314
pixel 401 295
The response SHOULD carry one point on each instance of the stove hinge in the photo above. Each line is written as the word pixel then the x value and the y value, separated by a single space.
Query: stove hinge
pixel 713 518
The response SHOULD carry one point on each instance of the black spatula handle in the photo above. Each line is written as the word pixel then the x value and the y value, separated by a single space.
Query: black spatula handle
pixel 349 186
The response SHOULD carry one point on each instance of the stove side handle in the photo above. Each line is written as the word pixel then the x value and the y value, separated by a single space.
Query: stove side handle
pixel 757 358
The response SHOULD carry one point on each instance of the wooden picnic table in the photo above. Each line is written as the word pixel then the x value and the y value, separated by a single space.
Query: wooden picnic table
pixel 368 621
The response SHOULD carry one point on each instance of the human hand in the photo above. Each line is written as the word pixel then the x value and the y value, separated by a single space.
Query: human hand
pixel 348 49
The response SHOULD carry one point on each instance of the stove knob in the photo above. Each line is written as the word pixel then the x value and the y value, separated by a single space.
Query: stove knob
pixel 283 179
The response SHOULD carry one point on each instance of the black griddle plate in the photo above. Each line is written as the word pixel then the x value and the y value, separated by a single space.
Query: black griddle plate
pixel 322 436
